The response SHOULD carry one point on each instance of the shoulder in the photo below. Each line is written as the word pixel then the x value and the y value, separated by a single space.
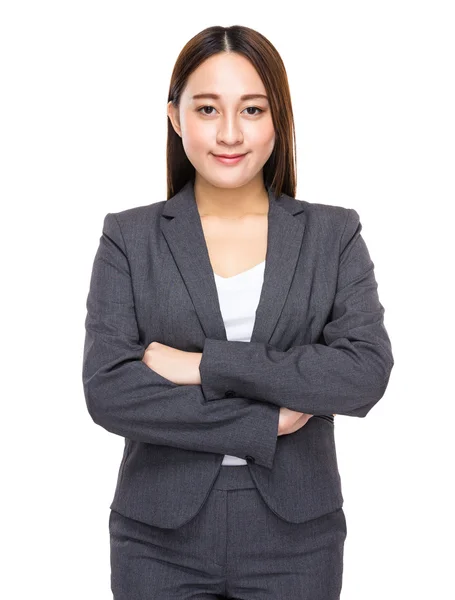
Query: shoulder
pixel 129 229
pixel 136 222
pixel 139 216
pixel 332 219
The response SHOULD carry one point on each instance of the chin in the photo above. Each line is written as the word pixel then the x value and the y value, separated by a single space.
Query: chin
pixel 230 182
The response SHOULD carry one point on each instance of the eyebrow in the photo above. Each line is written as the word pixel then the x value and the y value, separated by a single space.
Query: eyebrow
pixel 217 96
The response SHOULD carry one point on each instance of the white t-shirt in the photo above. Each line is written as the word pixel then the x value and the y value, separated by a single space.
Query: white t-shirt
pixel 239 297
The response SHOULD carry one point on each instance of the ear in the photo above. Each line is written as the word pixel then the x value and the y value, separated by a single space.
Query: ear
pixel 173 114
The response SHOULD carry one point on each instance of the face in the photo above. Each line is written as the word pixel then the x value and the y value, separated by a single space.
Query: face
pixel 226 124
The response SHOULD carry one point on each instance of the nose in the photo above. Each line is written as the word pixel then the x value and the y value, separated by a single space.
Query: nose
pixel 229 131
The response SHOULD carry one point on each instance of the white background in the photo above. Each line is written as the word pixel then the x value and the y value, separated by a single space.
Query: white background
pixel 83 133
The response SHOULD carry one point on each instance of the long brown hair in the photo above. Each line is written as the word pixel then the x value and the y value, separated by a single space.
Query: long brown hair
pixel 279 171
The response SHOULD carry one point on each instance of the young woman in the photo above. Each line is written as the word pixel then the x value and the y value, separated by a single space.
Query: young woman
pixel 225 327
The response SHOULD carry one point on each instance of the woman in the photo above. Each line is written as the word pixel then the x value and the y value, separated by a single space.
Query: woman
pixel 226 326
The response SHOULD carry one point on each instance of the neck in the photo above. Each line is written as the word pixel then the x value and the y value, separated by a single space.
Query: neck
pixel 231 203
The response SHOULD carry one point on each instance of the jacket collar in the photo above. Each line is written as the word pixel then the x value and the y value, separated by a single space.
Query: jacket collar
pixel 182 227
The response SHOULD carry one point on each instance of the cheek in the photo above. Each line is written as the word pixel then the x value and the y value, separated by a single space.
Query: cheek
pixel 196 136
pixel 269 143
pixel 263 137
pixel 263 146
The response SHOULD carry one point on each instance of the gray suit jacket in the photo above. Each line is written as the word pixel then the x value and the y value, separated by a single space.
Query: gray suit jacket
pixel 318 346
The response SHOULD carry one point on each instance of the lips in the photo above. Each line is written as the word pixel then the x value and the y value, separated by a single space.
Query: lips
pixel 229 159
pixel 229 155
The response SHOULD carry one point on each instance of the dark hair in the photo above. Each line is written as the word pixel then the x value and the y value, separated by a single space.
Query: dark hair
pixel 279 171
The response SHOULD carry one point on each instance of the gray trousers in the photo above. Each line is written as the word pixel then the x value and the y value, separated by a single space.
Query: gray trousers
pixel 235 547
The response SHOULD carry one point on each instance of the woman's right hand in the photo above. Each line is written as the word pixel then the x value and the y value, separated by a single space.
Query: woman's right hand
pixel 291 420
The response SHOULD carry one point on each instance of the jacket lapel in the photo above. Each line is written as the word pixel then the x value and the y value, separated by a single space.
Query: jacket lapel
pixel 182 227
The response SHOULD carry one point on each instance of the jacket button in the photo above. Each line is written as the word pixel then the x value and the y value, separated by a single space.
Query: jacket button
pixel 230 394
pixel 249 458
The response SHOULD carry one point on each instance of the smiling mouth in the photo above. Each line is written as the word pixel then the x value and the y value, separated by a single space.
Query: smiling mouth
pixel 229 155
pixel 229 159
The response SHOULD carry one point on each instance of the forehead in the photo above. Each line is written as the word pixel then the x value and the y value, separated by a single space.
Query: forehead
pixel 228 74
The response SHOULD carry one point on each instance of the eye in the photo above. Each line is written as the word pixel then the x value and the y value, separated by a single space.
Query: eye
pixel 254 108
pixel 202 108
pixel 247 108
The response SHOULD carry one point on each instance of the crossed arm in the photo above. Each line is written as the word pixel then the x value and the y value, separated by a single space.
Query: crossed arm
pixel 125 396
pixel 347 376
pixel 179 366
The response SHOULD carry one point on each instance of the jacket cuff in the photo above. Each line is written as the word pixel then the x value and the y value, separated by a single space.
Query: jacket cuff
pixel 265 435
pixel 212 369
pixel 215 386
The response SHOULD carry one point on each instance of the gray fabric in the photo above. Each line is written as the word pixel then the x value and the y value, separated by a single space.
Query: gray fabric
pixel 235 547
pixel 318 345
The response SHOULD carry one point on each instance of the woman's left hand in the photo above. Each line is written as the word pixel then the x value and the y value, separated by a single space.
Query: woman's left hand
pixel 178 366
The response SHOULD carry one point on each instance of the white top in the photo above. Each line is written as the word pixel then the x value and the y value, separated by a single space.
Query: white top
pixel 238 297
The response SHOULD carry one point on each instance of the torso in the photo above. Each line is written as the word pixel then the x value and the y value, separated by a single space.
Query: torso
pixel 235 246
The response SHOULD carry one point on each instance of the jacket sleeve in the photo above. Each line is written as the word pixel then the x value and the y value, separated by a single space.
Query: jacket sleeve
pixel 124 396
pixel 346 376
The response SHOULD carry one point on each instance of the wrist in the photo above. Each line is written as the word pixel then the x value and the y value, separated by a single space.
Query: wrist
pixel 196 358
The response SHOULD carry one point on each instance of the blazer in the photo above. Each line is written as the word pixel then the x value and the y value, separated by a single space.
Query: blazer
pixel 319 346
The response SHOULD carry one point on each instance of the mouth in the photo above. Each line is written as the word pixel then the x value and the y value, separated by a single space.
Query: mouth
pixel 229 159
pixel 230 155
